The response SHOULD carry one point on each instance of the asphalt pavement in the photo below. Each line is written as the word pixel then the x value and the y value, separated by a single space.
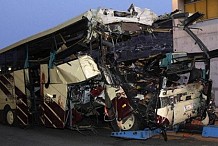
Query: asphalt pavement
pixel 42 136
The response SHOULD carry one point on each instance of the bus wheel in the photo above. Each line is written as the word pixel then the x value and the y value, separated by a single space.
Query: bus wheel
pixel 131 123
pixel 9 116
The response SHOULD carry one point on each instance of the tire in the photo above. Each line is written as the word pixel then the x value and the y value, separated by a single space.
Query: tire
pixel 131 123
pixel 212 118
pixel 9 117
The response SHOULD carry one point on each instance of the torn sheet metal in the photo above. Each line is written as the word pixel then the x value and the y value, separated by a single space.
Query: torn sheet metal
pixel 133 15
pixel 74 71
pixel 104 16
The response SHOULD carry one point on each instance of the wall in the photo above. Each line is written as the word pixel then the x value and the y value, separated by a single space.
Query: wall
pixel 209 35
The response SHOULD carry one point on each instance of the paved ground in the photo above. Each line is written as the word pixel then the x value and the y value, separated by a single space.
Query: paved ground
pixel 41 136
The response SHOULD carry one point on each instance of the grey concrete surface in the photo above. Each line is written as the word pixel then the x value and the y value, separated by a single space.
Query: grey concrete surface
pixel 41 136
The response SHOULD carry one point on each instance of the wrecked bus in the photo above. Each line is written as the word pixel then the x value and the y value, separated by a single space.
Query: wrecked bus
pixel 166 89
pixel 55 78
pixel 118 64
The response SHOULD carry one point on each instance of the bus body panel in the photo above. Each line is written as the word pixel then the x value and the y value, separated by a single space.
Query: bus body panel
pixel 7 94
pixel 54 105
pixel 22 93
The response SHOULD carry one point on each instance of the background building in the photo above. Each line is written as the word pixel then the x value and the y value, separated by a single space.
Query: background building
pixel 207 32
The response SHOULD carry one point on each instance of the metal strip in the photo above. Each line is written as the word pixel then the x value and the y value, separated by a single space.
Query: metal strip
pixel 22 111
pixel 50 121
pixel 53 112
pixel 21 120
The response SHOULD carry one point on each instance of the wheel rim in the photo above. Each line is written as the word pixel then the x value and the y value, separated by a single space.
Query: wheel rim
pixel 128 124
pixel 10 117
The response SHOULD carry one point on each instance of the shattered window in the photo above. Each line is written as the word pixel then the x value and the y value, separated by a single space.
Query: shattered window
pixel 20 57
pixel 9 60
pixel 165 101
pixel 2 63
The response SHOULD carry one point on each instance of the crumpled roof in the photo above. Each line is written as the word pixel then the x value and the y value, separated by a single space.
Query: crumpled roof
pixel 95 16
pixel 134 14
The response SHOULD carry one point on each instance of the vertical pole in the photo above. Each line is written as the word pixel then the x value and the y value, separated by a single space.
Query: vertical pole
pixel 70 114
pixel 26 64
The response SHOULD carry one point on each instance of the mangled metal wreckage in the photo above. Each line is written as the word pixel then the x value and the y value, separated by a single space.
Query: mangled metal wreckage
pixel 84 63
pixel 166 89
pixel 116 64
pixel 142 83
